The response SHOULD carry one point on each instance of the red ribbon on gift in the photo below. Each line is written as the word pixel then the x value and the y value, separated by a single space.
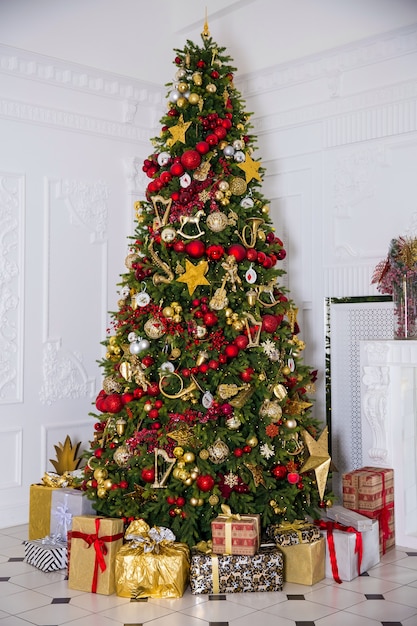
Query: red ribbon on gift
pixel 330 527
pixel 382 515
pixel 99 543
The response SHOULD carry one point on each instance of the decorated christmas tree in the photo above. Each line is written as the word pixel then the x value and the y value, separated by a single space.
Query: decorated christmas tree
pixel 205 400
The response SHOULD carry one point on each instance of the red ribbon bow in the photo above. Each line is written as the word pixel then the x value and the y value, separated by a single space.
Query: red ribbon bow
pixel 330 527
pixel 99 543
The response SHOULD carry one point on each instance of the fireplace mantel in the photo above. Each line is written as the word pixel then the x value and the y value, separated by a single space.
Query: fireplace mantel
pixel 389 424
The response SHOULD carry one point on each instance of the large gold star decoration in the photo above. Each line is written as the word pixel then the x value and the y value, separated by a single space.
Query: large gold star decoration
pixel 194 275
pixel 178 131
pixel 319 459
pixel 250 167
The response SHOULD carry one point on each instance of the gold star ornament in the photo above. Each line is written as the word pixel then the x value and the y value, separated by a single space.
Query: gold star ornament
pixel 194 275
pixel 319 459
pixel 178 131
pixel 250 167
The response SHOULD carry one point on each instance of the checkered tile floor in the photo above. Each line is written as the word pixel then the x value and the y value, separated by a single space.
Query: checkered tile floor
pixel 386 595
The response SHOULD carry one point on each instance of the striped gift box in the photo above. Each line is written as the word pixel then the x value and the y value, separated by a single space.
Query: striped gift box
pixel 46 555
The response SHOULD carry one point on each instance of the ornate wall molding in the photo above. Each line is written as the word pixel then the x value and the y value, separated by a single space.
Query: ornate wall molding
pixel 330 64
pixel 49 70
pixel 68 120
pixel 11 286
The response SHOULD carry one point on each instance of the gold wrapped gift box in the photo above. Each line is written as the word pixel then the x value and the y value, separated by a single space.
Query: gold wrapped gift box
pixel 40 497
pixel 95 542
pixel 151 564
pixel 304 563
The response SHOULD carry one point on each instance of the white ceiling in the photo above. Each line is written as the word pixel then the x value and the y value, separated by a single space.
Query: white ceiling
pixel 137 37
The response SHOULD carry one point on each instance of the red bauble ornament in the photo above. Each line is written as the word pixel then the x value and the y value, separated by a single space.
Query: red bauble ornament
pixel 281 254
pixel 176 169
pixel 231 351
pixel 270 323
pixel 127 397
pixel 251 254
pixel 114 403
pixel 210 319
pixel 293 478
pixel 153 414
pixel 241 342
pixel 101 403
pixel 165 177
pixel 195 249
pixel 205 482
pixel 238 251
pixel 246 375
pixel 212 139
pixel 191 159
pixel 220 131
pixel 179 246
pixel 213 364
pixel 153 389
pixel 202 147
pixel 171 500
pixel 279 471
pixel 148 360
pixel 238 452
pixel 215 252
pixel 180 501
pixel 148 474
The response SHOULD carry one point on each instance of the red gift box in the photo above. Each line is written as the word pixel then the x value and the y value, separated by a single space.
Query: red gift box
pixel 235 534
pixel 370 492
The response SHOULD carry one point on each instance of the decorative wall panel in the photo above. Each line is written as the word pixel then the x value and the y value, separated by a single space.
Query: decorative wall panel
pixel 11 458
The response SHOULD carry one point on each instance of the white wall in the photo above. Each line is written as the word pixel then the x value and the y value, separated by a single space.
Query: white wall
pixel 337 134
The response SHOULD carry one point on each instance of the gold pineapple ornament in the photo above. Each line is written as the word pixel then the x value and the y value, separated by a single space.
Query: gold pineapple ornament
pixel 66 457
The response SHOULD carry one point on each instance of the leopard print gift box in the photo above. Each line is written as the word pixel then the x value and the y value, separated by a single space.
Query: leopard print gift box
pixel 233 573
pixel 289 534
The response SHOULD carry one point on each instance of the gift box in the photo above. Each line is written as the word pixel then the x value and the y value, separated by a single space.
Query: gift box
pixel 67 503
pixel 349 552
pixel 348 517
pixel 369 491
pixel 235 534
pixel 289 533
pixel 95 542
pixel 304 563
pixel 46 554
pixel 40 497
pixel 231 573
pixel 151 564
pixel 368 488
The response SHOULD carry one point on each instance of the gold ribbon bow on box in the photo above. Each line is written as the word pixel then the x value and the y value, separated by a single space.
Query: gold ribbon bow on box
pixel 229 517
pixel 296 525
pixel 151 539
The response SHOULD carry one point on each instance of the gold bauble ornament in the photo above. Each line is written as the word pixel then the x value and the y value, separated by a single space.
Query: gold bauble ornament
pixel 189 457
pixel 153 328
pixel 265 209
pixel 175 472
pixel 238 186
pixel 121 456
pixel 286 370
pixel 211 88
pixel 280 391
pixel 223 185
pixel 200 502
pixel 252 441
pixel 213 500
pixel 197 78
pixel 194 501
pixel 101 492
pixel 147 407
pixel 290 423
pixel 329 504
pixel 217 221
pixel 178 452
pixel 130 260
pixel 194 474
pixel 107 484
pixel 181 102
pixel 182 87
pixel 224 201
pixel 188 482
pixel 193 98
pixel 219 451
pixel 233 423
pixel 204 454
pixel 100 473
pixel 218 195
pixel 168 312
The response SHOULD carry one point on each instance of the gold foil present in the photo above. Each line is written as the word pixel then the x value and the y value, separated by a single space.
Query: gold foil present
pixel 94 545
pixel 304 563
pixel 39 511
pixel 151 564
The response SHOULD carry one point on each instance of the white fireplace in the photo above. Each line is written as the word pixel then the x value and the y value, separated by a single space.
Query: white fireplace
pixel 388 372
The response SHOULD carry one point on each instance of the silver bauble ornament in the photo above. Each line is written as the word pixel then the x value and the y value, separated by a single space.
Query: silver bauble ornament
pixel 233 423
pixel 135 348
pixel 228 151
pixel 174 95
pixel 144 345
pixel 239 156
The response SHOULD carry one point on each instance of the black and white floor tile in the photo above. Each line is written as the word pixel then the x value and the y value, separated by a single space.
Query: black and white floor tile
pixel 385 596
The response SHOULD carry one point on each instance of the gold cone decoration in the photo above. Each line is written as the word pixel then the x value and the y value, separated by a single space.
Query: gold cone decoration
pixel 319 459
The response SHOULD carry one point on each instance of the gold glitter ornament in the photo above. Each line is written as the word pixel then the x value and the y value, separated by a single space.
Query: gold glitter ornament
pixel 237 186
pixel 112 385
pixel 213 500
pixel 218 452
pixel 204 454
pixel 217 221
pixel 153 328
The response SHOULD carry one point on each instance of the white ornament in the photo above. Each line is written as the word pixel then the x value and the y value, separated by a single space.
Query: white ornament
pixel 267 451
pixel 239 156
pixel 134 347
pixel 231 480
pixel 142 298
pixel 125 292
pixel 132 337
pixel 144 344
pixel 291 364
pixel 228 151
pixel 174 95
pixel 246 203
pixel 168 234
pixel 251 275
pixel 163 158
pixel 238 144
pixel 167 367
pixel 185 180
pixel 207 400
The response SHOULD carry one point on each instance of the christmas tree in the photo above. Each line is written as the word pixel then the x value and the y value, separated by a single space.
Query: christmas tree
pixel 206 400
